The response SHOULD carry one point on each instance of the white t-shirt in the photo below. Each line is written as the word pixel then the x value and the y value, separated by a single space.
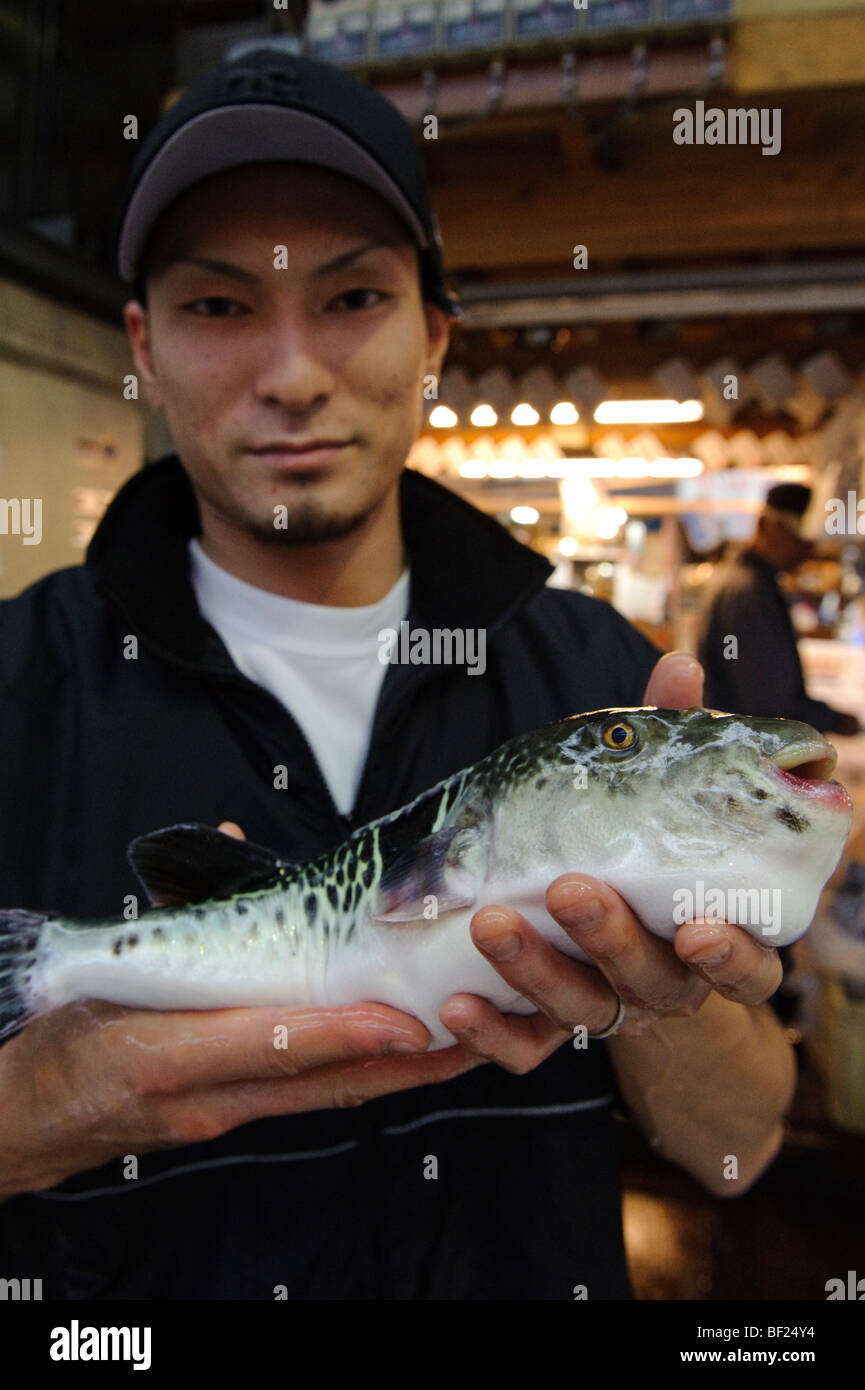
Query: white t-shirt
pixel 321 662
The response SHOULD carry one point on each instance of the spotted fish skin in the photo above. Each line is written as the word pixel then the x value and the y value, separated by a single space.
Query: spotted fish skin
pixel 653 802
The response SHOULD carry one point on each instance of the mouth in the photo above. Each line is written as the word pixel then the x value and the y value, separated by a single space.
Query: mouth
pixel 289 458
pixel 806 768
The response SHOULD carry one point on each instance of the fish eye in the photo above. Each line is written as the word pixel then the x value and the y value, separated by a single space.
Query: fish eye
pixel 619 735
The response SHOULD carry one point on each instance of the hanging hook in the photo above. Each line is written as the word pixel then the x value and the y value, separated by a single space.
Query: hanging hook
pixel 716 60
pixel 429 86
pixel 570 84
pixel 639 71
pixel 496 87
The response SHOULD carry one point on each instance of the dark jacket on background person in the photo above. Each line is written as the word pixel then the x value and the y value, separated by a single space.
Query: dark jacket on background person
pixel 761 673
pixel 96 749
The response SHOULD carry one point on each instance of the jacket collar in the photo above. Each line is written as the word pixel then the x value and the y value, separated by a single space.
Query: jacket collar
pixel 759 563
pixel 466 570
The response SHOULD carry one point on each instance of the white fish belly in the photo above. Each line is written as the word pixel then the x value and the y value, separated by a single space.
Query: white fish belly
pixel 416 966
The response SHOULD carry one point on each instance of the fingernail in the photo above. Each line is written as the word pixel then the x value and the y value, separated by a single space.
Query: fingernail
pixel 402 1046
pixel 706 934
pixel 455 1017
pixel 684 659
pixel 585 910
pixel 712 955
pixel 507 946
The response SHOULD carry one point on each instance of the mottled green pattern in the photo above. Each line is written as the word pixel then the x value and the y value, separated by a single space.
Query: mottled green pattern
pixel 667 742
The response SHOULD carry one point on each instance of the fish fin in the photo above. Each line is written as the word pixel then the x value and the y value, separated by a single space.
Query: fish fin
pixel 195 863
pixel 19 937
pixel 447 866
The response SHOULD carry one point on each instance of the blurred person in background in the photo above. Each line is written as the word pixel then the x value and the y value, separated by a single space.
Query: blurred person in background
pixel 759 672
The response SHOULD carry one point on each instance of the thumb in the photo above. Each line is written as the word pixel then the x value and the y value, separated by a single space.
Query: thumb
pixel 230 827
pixel 676 682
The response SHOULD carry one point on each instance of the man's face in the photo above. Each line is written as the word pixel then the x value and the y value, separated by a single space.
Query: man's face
pixel 786 550
pixel 246 354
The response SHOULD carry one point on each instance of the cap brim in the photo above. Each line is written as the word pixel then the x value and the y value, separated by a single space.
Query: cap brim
pixel 228 136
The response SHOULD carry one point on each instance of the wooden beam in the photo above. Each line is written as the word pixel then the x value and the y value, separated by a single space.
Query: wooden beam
pixel 536 86
pixel 526 200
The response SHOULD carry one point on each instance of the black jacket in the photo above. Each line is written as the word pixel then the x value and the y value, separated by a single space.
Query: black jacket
pixel 762 673
pixel 96 748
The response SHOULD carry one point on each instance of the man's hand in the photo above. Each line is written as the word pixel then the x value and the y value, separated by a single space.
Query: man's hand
pixel 92 1081
pixel 654 978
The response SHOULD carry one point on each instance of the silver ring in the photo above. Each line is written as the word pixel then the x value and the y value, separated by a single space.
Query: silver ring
pixel 616 1023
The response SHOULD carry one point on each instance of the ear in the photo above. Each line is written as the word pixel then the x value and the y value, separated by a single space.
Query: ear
pixel 438 334
pixel 136 318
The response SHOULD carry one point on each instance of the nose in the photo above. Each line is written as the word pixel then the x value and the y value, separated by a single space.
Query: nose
pixel 291 370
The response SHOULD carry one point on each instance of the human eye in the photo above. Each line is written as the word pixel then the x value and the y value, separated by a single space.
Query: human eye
pixel 224 306
pixel 347 293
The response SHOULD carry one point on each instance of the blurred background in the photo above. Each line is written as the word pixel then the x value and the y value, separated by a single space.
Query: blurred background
pixel 655 334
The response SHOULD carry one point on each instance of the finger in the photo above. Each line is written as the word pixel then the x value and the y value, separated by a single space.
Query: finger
pixel 561 988
pixel 748 973
pixel 181 1051
pixel 209 1113
pixel 516 1042
pixel 230 827
pixel 640 967
pixel 676 682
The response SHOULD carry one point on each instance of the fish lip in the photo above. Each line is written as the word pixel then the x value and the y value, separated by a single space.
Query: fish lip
pixel 808 760
pixel 804 769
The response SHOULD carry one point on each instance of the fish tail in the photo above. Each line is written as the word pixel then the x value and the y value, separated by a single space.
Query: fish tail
pixel 19 940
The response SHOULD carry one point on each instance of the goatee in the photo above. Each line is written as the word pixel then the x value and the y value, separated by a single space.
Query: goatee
pixel 306 524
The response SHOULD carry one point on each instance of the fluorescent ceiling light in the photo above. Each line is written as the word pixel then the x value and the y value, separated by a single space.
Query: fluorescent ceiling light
pixel 648 412
pixel 632 468
pixel 676 468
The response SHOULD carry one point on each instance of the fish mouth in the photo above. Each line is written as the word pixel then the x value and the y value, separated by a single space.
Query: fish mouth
pixel 805 767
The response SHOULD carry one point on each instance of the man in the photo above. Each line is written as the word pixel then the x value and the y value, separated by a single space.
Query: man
pixel 207 661
pixel 747 643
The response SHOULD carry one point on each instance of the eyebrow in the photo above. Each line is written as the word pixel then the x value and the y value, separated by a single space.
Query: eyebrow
pixel 237 272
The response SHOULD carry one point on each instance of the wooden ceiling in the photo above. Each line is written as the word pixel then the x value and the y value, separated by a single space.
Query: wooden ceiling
pixel 514 194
